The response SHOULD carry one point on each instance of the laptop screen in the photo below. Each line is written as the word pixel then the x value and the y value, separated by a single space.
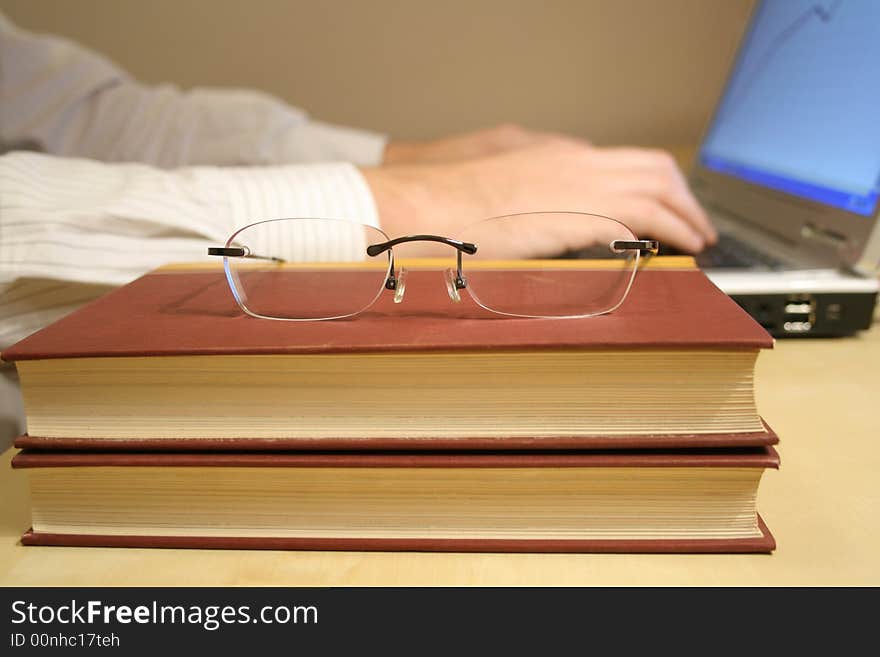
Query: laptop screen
pixel 801 111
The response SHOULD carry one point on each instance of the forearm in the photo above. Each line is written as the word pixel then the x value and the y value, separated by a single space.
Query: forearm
pixel 170 128
pixel 83 224
pixel 61 98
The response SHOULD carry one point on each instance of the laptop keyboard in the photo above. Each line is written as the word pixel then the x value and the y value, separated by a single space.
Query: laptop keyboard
pixel 730 253
pixel 733 253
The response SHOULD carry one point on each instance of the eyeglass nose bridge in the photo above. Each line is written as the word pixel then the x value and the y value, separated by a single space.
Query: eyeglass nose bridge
pixel 462 247
pixel 396 281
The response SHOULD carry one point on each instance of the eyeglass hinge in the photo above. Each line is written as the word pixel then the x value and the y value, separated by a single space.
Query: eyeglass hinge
pixel 234 252
pixel 651 246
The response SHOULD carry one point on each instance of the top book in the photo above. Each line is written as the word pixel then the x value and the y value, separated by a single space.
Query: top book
pixel 170 362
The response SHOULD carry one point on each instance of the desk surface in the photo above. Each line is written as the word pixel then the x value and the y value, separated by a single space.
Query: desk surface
pixel 820 396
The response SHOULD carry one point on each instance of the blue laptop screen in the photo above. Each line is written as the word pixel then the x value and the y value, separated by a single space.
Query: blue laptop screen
pixel 801 111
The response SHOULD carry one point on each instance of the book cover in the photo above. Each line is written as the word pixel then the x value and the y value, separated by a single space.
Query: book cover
pixel 405 442
pixel 188 312
pixel 169 360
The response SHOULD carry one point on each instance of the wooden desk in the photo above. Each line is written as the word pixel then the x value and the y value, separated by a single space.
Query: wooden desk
pixel 823 506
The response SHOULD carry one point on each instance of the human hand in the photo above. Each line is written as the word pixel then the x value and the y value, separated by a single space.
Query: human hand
pixel 642 188
pixel 470 145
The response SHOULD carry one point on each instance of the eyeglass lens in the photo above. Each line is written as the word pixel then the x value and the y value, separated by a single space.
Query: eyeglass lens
pixel 595 283
pixel 307 268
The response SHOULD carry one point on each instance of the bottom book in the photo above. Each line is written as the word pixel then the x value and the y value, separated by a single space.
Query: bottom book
pixel 649 501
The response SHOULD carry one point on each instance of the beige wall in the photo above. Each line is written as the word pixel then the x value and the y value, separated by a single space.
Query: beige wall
pixel 635 71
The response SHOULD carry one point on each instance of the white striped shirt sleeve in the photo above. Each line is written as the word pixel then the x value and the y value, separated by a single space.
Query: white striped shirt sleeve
pixel 61 98
pixel 71 228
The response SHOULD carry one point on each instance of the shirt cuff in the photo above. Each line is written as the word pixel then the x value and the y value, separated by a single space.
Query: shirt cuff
pixel 325 191
pixel 108 224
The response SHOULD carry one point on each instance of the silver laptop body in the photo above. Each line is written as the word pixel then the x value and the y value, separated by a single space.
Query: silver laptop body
pixel 789 168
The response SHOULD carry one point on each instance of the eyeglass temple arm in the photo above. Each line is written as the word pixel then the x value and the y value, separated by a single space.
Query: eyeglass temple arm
pixel 461 247
pixel 239 252
pixel 651 246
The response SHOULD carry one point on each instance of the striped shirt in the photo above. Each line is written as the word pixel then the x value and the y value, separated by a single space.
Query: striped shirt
pixel 168 173
pixel 71 228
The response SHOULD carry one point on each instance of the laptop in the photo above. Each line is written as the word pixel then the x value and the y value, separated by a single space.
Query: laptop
pixel 789 168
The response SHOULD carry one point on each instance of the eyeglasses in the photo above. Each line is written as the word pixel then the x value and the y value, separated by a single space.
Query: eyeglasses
pixel 316 269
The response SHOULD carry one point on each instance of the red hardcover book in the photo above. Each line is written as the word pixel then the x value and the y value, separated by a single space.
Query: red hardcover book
pixel 170 362
pixel 619 501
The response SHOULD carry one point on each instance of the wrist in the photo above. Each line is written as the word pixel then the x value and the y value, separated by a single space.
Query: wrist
pixel 424 199
pixel 400 199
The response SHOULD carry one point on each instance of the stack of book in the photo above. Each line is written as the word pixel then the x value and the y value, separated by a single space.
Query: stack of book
pixel 159 415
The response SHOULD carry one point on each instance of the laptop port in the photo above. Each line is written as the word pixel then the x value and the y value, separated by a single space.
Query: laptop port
pixel 797 327
pixel 798 309
pixel 800 313
pixel 800 302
